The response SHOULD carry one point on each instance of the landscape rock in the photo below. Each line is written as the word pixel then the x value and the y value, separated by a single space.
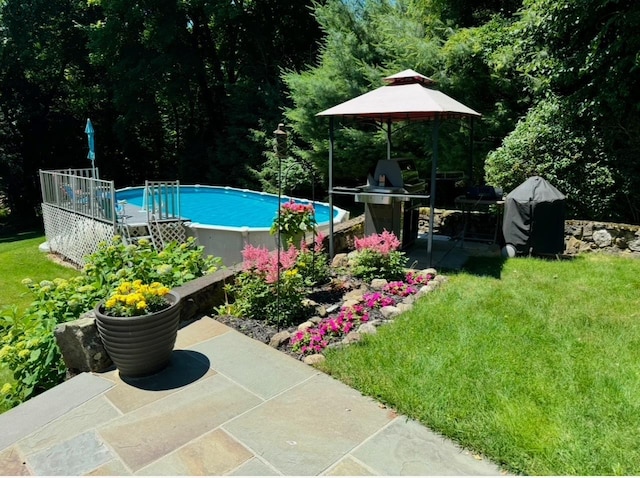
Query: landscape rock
pixel 389 311
pixel 315 320
pixel 340 260
pixel 356 294
pixel 378 284
pixel 81 347
pixel 321 310
pixel 279 339
pixel 431 271
pixel 635 245
pixel 351 302
pixel 352 338
pixel 602 238
pixel 305 325
pixel 314 359
pixel 402 307
pixel 367 328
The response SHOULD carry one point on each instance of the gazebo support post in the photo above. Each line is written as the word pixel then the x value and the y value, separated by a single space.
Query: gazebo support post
pixel 331 140
pixel 432 189
pixel 388 138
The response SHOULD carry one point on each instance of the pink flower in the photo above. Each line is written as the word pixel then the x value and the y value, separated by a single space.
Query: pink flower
pixel 382 243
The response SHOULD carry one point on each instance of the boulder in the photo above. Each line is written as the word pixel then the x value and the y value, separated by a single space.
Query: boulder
pixel 80 345
pixel 602 238
pixel 279 339
pixel 314 359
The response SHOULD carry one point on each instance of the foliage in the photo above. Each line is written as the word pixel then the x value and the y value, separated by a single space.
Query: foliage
pixel 313 262
pixel 130 299
pixel 62 300
pixel 176 264
pixel 550 143
pixel 267 289
pixel 377 257
pixel 293 220
pixel 28 348
pixel 172 87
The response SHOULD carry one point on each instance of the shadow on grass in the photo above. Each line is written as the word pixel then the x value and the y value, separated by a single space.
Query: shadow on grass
pixel 12 236
pixel 484 266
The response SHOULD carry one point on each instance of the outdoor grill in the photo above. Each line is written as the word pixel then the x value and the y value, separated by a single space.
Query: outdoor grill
pixel 392 198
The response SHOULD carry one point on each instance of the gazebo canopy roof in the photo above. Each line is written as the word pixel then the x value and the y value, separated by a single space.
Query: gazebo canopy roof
pixel 407 96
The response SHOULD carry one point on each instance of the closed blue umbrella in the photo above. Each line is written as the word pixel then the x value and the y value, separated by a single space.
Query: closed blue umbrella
pixel 92 152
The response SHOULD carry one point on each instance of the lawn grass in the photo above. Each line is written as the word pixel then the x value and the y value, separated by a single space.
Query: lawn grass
pixel 537 369
pixel 20 259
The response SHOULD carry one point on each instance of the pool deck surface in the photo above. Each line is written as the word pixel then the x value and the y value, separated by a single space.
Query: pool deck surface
pixel 225 405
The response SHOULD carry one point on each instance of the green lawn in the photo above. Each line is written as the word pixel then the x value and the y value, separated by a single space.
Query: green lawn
pixel 20 259
pixel 534 365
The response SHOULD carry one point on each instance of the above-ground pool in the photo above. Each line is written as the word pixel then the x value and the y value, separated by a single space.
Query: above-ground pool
pixel 225 219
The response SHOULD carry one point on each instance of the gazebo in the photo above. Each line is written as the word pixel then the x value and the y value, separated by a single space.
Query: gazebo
pixel 407 96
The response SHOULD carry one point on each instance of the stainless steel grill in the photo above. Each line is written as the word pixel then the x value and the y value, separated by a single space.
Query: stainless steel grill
pixel 392 198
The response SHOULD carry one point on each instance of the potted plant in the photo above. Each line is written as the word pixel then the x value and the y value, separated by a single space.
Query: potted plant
pixel 138 324
pixel 293 221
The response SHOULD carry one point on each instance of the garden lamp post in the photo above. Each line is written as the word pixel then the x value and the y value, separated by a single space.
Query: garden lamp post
pixel 281 151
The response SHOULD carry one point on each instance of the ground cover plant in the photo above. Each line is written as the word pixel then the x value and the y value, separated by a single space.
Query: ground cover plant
pixel 27 344
pixel 532 363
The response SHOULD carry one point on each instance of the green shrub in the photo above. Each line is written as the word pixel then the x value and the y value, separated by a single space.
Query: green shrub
pixel 27 343
pixel 378 257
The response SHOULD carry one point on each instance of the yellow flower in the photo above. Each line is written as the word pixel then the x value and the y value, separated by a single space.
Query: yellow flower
pixel 4 351
pixel 110 303
pixel 6 388
pixel 141 305
pixel 124 288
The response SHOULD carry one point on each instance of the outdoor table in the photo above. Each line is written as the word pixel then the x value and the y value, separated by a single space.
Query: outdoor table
pixel 469 205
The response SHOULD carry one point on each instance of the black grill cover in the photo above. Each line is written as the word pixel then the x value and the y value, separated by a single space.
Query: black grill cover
pixel 534 218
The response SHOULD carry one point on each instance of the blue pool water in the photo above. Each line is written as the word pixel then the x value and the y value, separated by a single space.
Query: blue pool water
pixel 227 207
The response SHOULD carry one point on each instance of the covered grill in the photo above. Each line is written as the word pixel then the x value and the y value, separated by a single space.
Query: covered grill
pixel 392 198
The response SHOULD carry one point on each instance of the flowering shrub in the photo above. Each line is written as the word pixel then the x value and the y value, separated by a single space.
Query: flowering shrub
pixel 313 263
pixel 258 292
pixel 135 298
pixel 27 343
pixel 293 221
pixel 378 257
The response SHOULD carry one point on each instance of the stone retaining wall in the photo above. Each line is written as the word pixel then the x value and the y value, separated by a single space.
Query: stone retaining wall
pixel 608 237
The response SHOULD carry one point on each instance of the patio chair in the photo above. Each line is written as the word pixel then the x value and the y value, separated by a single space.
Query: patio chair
pixel 76 197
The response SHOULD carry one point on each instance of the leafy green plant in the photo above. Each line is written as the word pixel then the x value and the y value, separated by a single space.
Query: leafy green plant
pixel 263 292
pixel 28 344
pixel 29 349
pixel 378 257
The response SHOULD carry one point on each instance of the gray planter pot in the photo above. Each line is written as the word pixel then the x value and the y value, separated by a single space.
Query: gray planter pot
pixel 140 345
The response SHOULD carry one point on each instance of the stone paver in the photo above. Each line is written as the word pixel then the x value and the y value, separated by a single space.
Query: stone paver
pixel 200 331
pixel 84 418
pixel 407 448
pixel 215 453
pixel 308 428
pixel 254 467
pixel 147 434
pixel 111 468
pixel 32 415
pixel 12 463
pixel 254 365
pixel 75 456
pixel 350 467
pixel 185 368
